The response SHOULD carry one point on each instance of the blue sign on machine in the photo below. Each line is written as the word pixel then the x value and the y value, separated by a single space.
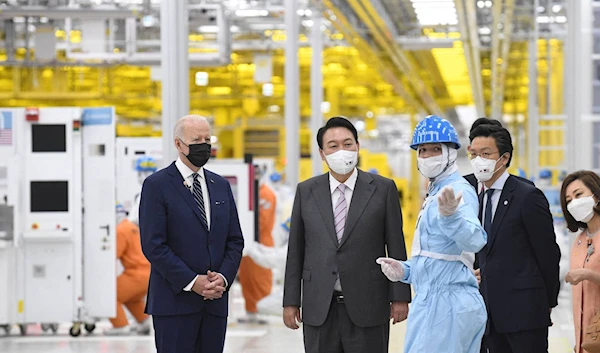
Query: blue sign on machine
pixel 97 116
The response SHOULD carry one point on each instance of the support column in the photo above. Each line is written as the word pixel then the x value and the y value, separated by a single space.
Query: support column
pixel 174 71
pixel 292 94
pixel 533 119
pixel 316 93
pixel 578 82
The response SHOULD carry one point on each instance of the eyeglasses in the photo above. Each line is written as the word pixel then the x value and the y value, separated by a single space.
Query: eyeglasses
pixel 485 155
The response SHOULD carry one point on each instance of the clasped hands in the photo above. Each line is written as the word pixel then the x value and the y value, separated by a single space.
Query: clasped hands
pixel 210 286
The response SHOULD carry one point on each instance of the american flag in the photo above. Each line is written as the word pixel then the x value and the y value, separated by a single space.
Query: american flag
pixel 6 129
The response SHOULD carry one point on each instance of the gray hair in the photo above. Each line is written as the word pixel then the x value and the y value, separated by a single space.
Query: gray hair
pixel 180 124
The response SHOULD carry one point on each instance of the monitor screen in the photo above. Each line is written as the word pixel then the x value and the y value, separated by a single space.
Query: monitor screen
pixel 49 138
pixel 49 196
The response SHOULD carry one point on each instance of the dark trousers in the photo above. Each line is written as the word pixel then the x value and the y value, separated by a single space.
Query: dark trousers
pixel 193 333
pixel 532 341
pixel 339 334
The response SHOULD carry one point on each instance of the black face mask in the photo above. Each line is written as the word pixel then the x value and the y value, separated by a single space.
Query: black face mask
pixel 199 153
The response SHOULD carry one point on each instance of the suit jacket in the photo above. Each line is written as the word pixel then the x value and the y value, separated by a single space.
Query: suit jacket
pixel 519 264
pixel 474 182
pixel 178 245
pixel 374 223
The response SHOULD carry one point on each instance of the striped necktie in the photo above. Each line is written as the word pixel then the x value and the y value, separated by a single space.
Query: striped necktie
pixel 340 212
pixel 199 197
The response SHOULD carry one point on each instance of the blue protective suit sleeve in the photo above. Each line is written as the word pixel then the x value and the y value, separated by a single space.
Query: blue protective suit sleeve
pixel 406 265
pixel 463 227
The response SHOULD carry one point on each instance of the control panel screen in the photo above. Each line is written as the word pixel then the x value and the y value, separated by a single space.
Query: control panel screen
pixel 49 138
pixel 49 196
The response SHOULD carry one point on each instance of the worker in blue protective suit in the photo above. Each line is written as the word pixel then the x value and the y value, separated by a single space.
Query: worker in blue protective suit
pixel 448 313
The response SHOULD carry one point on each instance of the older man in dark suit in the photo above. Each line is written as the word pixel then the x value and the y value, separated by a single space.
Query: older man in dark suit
pixel 191 235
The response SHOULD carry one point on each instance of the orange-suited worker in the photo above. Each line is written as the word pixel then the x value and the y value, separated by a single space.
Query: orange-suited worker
pixel 132 284
pixel 257 281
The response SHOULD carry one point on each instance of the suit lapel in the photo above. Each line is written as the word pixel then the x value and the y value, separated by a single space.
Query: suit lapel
pixel 184 192
pixel 503 204
pixel 363 190
pixel 322 194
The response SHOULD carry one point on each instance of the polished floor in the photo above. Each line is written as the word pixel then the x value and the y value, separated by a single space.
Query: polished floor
pixel 271 338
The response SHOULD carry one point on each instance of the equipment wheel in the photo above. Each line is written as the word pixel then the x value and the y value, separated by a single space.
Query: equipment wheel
pixel 90 327
pixel 7 329
pixel 23 329
pixel 75 329
pixel 54 328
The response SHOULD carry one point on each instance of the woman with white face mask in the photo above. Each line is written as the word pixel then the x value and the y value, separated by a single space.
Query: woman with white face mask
pixel 579 199
pixel 447 313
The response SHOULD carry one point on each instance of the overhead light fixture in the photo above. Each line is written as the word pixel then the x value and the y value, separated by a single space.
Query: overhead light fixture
pixel 148 21
pixel 556 8
pixel 488 4
pixel 561 19
pixel 308 23
pixel 208 29
pixel 267 89
pixel 201 78
pixel 432 5
pixel 251 13
pixel 485 30
pixel 481 4
pixel 543 19
pixel 435 12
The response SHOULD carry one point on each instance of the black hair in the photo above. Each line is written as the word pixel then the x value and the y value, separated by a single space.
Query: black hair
pixel 592 182
pixel 500 135
pixel 485 121
pixel 337 121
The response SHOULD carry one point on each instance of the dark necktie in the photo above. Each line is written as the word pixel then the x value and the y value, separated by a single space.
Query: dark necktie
pixel 487 222
pixel 199 197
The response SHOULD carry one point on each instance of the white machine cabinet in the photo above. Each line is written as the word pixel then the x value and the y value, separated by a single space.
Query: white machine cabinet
pixel 128 150
pixel 64 223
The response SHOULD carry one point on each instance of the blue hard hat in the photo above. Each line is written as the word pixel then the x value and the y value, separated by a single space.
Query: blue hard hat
pixel 545 173
pixel 121 209
pixel 434 129
pixel 275 177
pixel 146 164
pixel 563 174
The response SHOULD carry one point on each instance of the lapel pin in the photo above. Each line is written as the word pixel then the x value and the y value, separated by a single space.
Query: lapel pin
pixel 212 181
pixel 216 203
pixel 505 202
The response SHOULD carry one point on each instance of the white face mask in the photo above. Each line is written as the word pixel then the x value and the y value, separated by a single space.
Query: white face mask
pixel 582 209
pixel 483 168
pixel 431 167
pixel 342 162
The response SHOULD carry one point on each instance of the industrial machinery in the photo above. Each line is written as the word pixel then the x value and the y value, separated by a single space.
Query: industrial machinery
pixel 129 150
pixel 58 220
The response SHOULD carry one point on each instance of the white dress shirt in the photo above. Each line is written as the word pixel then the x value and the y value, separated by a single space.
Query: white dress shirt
pixel 335 195
pixel 188 177
pixel 497 186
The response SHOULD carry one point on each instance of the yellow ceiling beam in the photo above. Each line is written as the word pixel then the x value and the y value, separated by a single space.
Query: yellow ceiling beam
pixel 382 35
